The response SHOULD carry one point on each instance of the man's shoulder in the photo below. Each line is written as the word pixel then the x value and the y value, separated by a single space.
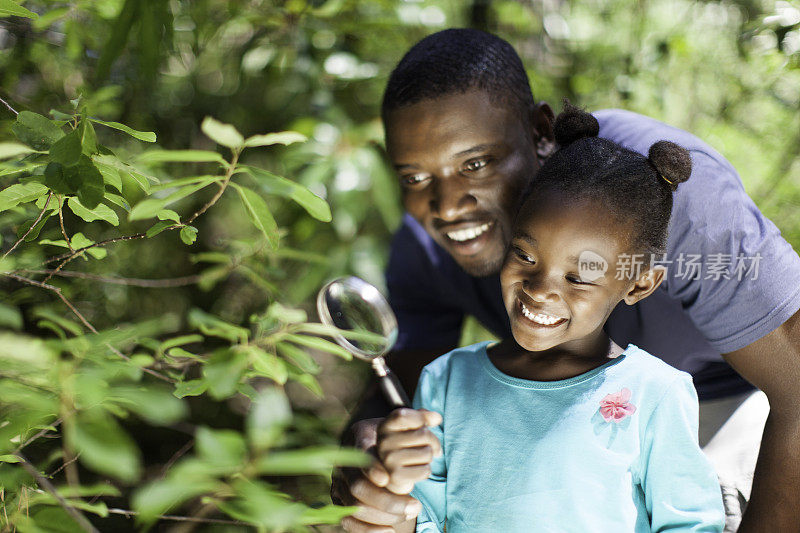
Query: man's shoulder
pixel 639 132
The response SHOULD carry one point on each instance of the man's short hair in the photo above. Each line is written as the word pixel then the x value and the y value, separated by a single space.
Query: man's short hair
pixel 455 61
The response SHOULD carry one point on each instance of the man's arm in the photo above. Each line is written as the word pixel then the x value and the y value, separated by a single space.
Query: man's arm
pixel 772 364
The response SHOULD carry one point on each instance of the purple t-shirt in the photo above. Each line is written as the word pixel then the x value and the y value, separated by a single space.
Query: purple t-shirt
pixel 731 278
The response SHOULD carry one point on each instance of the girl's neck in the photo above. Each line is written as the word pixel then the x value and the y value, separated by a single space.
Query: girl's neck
pixel 553 364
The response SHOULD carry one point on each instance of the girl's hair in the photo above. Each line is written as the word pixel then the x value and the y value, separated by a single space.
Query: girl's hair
pixel 636 190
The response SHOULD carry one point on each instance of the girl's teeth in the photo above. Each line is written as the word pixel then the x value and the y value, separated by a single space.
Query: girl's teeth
pixel 540 318
pixel 469 233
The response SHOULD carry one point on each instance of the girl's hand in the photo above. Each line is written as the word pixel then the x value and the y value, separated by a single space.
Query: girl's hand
pixel 406 447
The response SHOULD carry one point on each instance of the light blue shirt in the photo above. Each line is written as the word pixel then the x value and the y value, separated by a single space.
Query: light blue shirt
pixel 539 456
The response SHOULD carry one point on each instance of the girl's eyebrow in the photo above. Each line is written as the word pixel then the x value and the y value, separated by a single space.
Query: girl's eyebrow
pixel 527 238
pixel 474 149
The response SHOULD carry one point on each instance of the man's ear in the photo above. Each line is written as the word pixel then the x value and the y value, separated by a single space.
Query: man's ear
pixel 644 286
pixel 541 124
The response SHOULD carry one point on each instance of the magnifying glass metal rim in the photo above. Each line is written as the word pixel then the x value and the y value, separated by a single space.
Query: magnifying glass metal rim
pixel 375 299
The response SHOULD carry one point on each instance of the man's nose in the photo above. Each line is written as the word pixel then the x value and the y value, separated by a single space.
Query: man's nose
pixel 451 198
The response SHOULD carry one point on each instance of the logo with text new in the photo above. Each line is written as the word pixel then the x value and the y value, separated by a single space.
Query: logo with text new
pixel 591 266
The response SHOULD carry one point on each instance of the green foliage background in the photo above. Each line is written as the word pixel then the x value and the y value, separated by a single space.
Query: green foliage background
pixel 244 427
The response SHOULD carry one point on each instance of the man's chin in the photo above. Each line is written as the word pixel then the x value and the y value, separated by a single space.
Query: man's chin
pixel 480 267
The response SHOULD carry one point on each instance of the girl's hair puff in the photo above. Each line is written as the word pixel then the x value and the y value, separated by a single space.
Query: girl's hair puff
pixel 636 190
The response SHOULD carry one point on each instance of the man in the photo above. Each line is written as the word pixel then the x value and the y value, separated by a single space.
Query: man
pixel 465 136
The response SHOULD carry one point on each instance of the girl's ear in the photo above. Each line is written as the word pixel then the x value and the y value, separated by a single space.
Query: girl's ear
pixel 541 124
pixel 644 286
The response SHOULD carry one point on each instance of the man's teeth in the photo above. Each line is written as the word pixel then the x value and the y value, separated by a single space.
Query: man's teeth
pixel 540 318
pixel 469 233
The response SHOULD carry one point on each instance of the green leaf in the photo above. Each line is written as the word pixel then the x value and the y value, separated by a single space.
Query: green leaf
pixel 187 480
pixel 269 414
pixel 7 7
pixel 110 175
pixel 282 137
pixel 215 327
pixel 266 364
pixel 221 133
pixel 187 181
pixel 67 150
pixel 181 156
pixel 9 150
pixel 195 387
pixel 35 130
pixel 222 448
pixel 168 214
pixel 86 179
pixel 188 234
pixel 56 180
pixel 49 18
pixel 261 505
pixel 223 371
pixel 88 138
pixel 20 193
pixel 104 446
pixel 117 200
pixel 299 357
pixel 154 404
pixel 320 344
pixel 150 207
pixel 313 460
pixel 274 184
pixel 158 227
pixel 329 514
pixel 101 212
pixel 146 136
pixel 10 459
pixel 259 214
pixel 179 341
pixel 10 317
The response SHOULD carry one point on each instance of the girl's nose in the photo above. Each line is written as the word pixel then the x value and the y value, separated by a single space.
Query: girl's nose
pixel 540 288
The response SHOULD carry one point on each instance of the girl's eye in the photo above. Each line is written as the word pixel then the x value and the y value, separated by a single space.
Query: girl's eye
pixel 473 165
pixel 523 256
pixel 576 280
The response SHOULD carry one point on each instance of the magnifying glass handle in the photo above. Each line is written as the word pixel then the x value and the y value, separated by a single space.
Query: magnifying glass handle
pixel 390 385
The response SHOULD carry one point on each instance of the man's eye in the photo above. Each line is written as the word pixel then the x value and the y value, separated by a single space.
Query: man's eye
pixel 474 165
pixel 413 179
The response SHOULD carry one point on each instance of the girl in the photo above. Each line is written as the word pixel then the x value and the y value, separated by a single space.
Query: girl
pixel 563 430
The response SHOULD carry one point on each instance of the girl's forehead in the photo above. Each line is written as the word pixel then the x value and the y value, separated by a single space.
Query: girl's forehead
pixel 568 227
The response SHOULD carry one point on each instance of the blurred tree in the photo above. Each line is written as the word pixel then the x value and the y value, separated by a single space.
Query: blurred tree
pixel 211 297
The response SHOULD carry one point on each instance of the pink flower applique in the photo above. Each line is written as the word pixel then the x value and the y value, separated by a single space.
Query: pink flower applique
pixel 614 407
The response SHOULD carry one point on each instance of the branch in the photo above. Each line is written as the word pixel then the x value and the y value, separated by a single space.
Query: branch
pixel 69 256
pixel 50 195
pixel 38 435
pixel 45 483
pixel 222 187
pixel 182 518
pixel 84 321
pixel 9 107
pixel 61 222
pixel 134 282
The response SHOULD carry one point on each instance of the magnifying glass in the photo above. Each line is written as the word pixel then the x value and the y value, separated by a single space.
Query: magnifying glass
pixel 369 328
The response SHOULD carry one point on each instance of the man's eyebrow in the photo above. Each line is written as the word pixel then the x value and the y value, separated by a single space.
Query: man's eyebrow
pixel 404 167
pixel 474 149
